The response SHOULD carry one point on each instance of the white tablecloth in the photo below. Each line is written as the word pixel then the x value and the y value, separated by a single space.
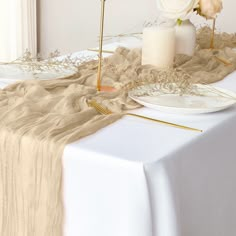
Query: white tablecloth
pixel 138 178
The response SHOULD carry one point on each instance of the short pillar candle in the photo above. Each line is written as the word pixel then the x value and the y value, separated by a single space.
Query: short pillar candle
pixel 158 46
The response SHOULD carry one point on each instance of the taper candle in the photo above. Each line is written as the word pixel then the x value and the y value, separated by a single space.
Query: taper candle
pixel 158 46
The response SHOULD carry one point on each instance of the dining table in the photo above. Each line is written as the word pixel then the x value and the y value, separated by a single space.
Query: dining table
pixel 140 178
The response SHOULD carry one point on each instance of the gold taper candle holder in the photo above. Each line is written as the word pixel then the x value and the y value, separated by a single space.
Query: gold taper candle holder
pixel 100 59
pixel 99 75
pixel 212 45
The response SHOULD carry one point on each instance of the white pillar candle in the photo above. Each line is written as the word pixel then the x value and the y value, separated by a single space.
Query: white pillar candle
pixel 158 46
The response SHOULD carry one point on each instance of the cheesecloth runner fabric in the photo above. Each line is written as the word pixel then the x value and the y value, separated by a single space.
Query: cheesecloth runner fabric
pixel 38 118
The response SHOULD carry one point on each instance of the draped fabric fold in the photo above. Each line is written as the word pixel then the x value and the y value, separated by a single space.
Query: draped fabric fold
pixel 18 28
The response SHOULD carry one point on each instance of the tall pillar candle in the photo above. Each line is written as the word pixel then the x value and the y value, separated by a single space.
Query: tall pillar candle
pixel 158 46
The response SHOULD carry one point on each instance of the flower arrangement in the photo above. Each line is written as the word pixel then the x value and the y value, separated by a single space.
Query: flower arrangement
pixel 180 10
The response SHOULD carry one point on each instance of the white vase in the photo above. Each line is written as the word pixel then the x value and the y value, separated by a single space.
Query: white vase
pixel 185 38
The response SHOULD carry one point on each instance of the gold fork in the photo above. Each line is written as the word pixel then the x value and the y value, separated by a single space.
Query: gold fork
pixel 105 111
pixel 97 50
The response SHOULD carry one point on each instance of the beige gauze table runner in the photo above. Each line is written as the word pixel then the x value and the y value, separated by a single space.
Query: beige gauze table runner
pixel 38 118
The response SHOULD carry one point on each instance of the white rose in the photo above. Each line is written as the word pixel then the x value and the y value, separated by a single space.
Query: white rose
pixel 209 8
pixel 177 9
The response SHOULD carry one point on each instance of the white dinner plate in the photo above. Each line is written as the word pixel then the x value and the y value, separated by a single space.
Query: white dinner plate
pixel 205 99
pixel 15 72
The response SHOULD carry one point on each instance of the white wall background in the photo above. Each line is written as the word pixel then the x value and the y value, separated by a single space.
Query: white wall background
pixel 72 25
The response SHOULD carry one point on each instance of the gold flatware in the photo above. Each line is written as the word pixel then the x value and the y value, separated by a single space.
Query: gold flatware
pixel 224 61
pixel 97 50
pixel 105 111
